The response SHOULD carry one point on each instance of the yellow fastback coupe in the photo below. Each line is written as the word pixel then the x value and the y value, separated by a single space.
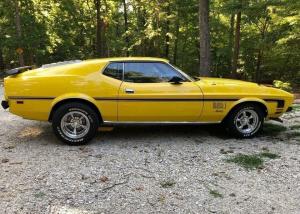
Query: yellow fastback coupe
pixel 79 96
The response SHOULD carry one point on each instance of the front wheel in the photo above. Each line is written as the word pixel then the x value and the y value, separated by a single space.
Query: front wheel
pixel 75 123
pixel 245 121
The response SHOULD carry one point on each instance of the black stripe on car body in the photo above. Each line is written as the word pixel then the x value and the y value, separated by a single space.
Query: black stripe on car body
pixel 280 103
pixel 30 98
pixel 161 99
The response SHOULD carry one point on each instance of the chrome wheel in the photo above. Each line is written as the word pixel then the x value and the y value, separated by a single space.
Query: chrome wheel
pixel 246 121
pixel 75 124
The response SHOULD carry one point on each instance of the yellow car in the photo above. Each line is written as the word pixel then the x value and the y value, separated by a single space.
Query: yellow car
pixel 79 96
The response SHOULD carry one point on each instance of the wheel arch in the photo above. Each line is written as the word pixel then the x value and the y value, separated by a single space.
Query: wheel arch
pixel 261 103
pixel 74 98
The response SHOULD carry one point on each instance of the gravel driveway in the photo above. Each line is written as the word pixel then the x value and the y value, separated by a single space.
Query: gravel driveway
pixel 155 169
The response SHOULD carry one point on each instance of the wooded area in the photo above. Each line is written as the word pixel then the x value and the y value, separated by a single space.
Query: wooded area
pixel 256 40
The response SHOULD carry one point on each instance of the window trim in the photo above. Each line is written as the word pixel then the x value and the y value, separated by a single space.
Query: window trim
pixel 108 64
pixel 188 79
pixel 181 72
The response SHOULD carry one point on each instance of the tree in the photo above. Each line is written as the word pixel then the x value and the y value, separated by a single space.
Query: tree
pixel 257 40
pixel 100 31
pixel 204 37
pixel 231 40
pixel 236 49
pixel 2 65
pixel 126 27
pixel 19 32
pixel 167 37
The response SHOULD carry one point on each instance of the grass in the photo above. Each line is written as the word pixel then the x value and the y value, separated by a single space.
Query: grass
pixel 255 161
pixel 293 135
pixel 167 184
pixel 247 161
pixel 273 129
pixel 39 195
pixel 269 155
pixel 215 193
pixel 295 127
pixel 296 107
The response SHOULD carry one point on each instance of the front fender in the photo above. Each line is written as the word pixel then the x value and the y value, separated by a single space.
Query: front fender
pixel 253 99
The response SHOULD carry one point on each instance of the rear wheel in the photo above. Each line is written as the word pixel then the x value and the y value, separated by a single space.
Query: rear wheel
pixel 245 121
pixel 75 123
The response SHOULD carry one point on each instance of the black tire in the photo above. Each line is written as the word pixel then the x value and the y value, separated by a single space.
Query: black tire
pixel 231 120
pixel 86 112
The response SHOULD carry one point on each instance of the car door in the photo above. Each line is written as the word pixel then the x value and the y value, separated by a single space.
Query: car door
pixel 147 94
pixel 106 91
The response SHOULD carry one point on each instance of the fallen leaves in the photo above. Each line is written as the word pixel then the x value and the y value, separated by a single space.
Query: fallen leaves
pixel 103 179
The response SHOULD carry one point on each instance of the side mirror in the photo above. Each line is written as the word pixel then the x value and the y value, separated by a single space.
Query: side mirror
pixel 176 80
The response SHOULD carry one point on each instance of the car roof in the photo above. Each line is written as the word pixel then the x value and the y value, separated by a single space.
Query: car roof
pixel 128 59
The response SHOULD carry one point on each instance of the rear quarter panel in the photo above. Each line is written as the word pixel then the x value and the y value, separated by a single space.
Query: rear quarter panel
pixel 42 89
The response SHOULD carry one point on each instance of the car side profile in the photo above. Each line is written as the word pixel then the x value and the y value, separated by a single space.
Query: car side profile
pixel 79 96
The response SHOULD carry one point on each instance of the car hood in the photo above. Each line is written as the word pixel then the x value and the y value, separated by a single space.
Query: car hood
pixel 238 87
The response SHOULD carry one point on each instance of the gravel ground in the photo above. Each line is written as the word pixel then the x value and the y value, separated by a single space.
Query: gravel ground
pixel 156 169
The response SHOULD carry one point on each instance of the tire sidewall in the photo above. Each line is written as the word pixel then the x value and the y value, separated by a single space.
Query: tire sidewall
pixel 56 123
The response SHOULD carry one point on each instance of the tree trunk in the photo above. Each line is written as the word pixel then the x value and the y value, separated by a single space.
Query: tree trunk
pixel 230 41
pixel 167 37
pixel 236 50
pixel 126 27
pixel 2 65
pixel 176 42
pixel 204 37
pixel 19 31
pixel 99 43
pixel 261 48
pixel 258 63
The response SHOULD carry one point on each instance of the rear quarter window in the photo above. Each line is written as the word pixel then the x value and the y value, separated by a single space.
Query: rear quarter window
pixel 114 70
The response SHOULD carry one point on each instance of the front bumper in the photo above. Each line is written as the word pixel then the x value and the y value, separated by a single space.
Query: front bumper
pixel 4 104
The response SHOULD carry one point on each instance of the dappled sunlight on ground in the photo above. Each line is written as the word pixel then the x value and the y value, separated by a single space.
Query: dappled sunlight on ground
pixel 30 132
pixel 66 210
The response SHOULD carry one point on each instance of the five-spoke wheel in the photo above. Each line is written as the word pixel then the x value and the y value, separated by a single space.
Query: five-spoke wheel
pixel 245 120
pixel 75 123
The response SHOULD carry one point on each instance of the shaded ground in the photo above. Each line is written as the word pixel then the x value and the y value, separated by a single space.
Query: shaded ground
pixel 156 169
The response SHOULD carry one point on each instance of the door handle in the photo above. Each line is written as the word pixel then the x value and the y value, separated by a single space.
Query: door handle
pixel 129 91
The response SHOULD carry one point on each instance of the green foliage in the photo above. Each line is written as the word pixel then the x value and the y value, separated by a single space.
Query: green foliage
pixel 291 135
pixel 215 193
pixel 39 195
pixel 62 30
pixel 273 129
pixel 296 107
pixel 295 127
pixel 282 85
pixel 167 184
pixel 247 161
pixel 269 155
pixel 255 161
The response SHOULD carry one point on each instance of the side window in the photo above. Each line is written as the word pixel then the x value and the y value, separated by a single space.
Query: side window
pixel 114 70
pixel 169 72
pixel 150 72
